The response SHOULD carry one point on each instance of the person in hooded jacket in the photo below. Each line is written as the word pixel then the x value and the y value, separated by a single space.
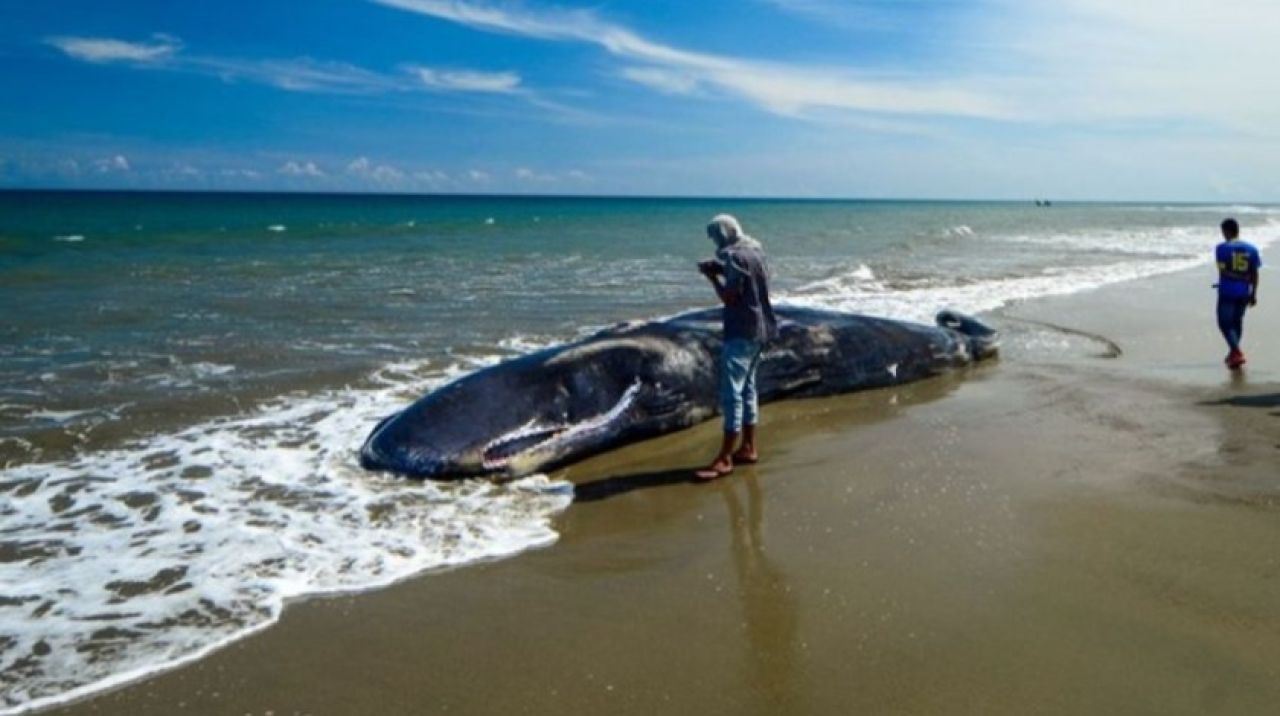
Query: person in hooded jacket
pixel 740 276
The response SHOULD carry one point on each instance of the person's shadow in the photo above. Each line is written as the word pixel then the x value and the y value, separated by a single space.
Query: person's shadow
pixel 1249 401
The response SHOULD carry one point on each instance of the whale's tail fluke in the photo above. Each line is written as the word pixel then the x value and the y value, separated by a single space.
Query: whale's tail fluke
pixel 984 341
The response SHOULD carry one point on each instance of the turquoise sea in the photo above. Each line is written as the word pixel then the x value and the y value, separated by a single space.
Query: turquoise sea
pixel 185 378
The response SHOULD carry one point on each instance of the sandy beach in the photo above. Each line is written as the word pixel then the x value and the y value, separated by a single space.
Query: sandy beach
pixel 1063 531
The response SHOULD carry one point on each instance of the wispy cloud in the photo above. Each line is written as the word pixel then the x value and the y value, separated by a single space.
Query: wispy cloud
pixel 863 15
pixel 776 87
pixel 297 75
pixel 104 49
pixel 301 74
pixel 668 81
pixel 467 80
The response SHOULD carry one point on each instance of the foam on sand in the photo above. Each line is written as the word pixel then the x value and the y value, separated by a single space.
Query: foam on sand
pixel 120 563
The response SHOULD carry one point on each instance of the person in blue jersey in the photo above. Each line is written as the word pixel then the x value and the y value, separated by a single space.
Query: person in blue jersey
pixel 740 276
pixel 1238 264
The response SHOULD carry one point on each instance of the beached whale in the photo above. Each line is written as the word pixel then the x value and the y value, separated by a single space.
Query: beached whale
pixel 637 381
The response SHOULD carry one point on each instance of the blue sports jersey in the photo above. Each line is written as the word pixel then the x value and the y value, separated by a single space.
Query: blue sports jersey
pixel 1236 261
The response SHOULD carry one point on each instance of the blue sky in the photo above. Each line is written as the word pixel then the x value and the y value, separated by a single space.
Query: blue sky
pixel 1083 99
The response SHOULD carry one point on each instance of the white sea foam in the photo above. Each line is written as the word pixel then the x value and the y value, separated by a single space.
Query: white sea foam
pixel 860 277
pixel 59 416
pixel 70 238
pixel 521 344
pixel 1174 242
pixel 1221 209
pixel 205 369
pixel 151 555
pixel 277 228
pixel 857 291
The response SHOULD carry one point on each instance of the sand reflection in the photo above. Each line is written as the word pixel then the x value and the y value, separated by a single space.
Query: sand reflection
pixel 768 603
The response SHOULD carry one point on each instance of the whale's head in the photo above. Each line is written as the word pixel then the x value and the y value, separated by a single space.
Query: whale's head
pixel 522 416
pixel 983 340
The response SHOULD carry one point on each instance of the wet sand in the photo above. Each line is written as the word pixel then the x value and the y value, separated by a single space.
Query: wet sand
pixel 1057 532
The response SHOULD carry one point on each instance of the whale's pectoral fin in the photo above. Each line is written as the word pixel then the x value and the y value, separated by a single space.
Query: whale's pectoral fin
pixel 660 400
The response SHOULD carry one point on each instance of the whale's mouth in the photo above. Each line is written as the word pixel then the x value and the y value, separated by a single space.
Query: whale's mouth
pixel 535 442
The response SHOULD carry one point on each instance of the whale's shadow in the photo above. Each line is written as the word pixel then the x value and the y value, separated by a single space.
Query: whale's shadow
pixel 607 487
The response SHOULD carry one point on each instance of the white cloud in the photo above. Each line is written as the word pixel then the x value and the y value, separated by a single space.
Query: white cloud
pixel 669 81
pixel 302 74
pixel 526 174
pixel 362 168
pixel 873 16
pixel 478 176
pixel 241 173
pixel 109 165
pixel 432 177
pixel 387 174
pixel 1089 60
pixel 467 80
pixel 578 175
pixel 1091 65
pixel 104 49
pixel 297 75
pixel 779 88
pixel 300 169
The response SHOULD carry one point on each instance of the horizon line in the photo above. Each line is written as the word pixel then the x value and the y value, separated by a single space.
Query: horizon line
pixel 666 197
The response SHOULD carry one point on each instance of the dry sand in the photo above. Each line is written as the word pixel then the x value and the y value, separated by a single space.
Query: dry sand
pixel 1053 533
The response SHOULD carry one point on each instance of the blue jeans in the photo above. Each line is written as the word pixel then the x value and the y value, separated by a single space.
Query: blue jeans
pixel 738 400
pixel 1231 320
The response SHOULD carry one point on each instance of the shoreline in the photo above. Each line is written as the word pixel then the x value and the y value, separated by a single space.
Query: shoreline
pixel 896 520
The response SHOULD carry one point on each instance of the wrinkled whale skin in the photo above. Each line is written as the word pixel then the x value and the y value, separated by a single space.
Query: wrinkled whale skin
pixel 636 381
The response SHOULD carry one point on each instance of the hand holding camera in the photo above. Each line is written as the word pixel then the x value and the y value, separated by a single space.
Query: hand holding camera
pixel 710 268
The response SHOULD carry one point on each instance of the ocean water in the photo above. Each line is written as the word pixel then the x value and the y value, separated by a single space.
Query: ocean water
pixel 185 379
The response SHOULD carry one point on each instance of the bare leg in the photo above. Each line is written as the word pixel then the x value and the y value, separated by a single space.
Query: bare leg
pixel 748 453
pixel 723 464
